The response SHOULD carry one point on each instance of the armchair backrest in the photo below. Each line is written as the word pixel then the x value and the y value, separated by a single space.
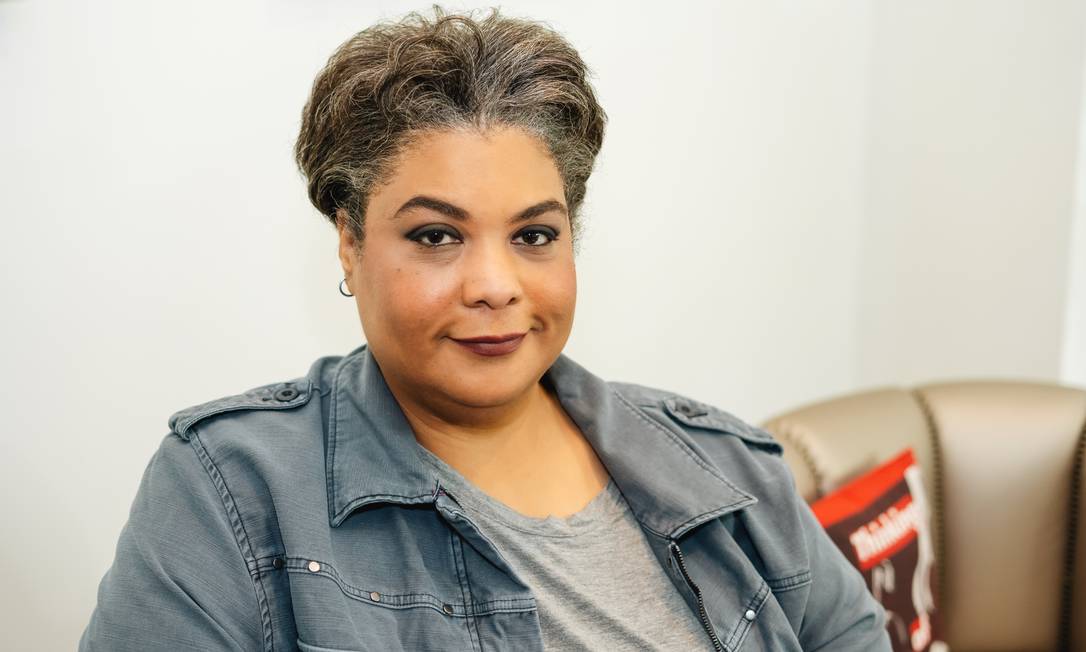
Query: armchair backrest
pixel 1002 468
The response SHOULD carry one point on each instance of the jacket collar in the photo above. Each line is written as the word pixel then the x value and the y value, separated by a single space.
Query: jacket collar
pixel 372 454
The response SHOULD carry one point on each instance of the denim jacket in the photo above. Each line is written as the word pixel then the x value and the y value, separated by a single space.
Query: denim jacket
pixel 299 515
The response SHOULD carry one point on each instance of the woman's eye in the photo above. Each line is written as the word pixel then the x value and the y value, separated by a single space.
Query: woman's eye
pixel 533 237
pixel 433 237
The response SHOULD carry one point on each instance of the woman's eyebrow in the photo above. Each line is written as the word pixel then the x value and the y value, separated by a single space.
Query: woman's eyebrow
pixel 457 213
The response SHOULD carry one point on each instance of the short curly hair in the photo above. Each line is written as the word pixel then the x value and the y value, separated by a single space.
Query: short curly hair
pixel 394 81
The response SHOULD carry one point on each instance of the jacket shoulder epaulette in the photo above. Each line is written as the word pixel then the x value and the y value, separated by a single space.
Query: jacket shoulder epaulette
pixel 696 414
pixel 273 396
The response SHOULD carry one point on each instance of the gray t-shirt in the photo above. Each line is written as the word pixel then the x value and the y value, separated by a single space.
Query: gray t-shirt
pixel 597 584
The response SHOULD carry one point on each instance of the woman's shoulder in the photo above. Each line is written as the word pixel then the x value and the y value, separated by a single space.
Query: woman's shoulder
pixel 748 456
pixel 269 435
pixel 277 396
pixel 263 443
pixel 697 418
pixel 282 397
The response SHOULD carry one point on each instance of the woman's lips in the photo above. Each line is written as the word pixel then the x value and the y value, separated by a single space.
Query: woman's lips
pixel 491 348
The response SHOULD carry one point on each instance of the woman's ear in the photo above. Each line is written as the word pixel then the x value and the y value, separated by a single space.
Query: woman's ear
pixel 347 242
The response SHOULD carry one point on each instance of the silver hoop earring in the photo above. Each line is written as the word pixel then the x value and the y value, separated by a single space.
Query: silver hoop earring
pixel 346 294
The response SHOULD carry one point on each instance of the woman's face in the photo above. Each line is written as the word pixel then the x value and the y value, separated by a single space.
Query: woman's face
pixel 468 238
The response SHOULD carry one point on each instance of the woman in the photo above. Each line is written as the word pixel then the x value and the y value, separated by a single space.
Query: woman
pixel 457 482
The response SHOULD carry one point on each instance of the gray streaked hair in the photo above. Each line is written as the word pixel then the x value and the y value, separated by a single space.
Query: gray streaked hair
pixel 394 81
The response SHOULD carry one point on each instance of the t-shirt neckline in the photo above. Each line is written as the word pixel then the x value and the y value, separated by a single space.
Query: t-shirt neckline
pixel 605 507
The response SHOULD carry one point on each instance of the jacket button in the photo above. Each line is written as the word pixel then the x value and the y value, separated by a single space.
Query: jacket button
pixel 749 615
pixel 689 410
pixel 375 596
pixel 277 563
pixel 314 566
pixel 447 608
pixel 285 394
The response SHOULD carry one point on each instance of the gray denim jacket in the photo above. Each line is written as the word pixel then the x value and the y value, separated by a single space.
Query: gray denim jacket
pixel 299 515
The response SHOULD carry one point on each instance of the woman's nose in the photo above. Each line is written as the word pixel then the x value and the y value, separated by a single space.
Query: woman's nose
pixel 490 275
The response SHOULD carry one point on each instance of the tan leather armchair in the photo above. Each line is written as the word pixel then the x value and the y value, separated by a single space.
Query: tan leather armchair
pixel 1002 467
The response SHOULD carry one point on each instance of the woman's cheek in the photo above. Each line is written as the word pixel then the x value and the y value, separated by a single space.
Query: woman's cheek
pixel 420 297
pixel 562 291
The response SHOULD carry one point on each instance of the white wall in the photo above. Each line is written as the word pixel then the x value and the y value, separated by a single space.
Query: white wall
pixel 725 215
pixel 971 151
pixel 766 181
pixel 1073 368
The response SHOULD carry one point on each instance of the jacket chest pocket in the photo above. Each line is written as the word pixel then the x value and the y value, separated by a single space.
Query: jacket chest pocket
pixel 403 579
pixel 337 613
pixel 763 625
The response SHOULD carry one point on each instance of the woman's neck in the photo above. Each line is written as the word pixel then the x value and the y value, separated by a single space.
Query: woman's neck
pixel 482 439
pixel 534 458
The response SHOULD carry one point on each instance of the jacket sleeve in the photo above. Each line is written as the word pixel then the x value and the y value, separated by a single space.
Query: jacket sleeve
pixel 178 579
pixel 841 613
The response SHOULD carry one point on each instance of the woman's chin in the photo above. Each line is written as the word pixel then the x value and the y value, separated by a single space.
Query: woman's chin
pixel 491 387
pixel 489 392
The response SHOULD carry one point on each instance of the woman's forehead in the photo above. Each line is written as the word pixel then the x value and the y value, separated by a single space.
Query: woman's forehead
pixel 505 170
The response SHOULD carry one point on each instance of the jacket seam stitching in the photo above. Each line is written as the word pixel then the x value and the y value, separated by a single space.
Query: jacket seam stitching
pixel 241 537
pixel 707 516
pixel 779 585
pixel 742 627
pixel 486 608
pixel 185 420
pixel 299 565
pixel 715 418
pixel 465 591
pixel 333 436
